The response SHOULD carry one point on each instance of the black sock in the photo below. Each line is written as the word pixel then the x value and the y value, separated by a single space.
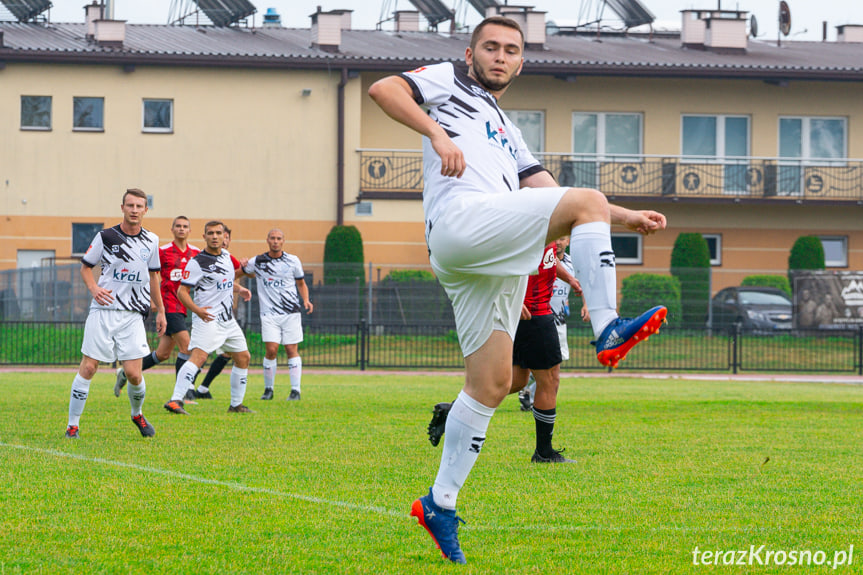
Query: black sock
pixel 150 361
pixel 181 359
pixel 544 419
pixel 215 369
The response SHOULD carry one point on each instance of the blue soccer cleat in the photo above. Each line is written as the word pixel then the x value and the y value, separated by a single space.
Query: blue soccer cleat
pixel 622 334
pixel 442 525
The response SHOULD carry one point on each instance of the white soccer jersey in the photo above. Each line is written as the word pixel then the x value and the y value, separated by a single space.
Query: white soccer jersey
pixel 277 282
pixel 493 148
pixel 213 280
pixel 126 265
pixel 560 294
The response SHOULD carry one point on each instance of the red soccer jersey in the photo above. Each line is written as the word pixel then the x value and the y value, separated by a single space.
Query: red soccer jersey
pixel 173 261
pixel 539 286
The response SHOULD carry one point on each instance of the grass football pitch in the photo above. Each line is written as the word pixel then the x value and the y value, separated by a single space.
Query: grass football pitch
pixel 666 470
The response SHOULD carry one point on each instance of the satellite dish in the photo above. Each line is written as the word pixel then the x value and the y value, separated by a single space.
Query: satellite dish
pixel 753 26
pixel 784 18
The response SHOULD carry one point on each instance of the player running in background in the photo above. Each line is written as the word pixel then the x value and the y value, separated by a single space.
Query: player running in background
pixel 212 275
pixel 281 284
pixel 129 257
pixel 485 235
pixel 222 358
pixel 173 258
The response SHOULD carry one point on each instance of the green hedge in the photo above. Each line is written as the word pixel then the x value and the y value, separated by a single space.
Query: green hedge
pixel 410 276
pixel 343 256
pixel 774 281
pixel 641 292
pixel 690 263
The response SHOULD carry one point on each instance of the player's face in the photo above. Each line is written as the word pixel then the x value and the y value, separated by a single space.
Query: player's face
pixel 214 236
pixel 275 241
pixel 134 209
pixel 497 58
pixel 226 241
pixel 181 229
pixel 560 245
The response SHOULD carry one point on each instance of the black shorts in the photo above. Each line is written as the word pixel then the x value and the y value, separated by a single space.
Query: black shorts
pixel 176 323
pixel 536 344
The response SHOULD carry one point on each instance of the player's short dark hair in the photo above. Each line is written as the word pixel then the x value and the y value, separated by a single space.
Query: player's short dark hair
pixel 134 192
pixel 227 229
pixel 496 20
pixel 180 218
pixel 214 223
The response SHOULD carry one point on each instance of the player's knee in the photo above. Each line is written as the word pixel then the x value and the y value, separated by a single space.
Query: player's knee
pixel 242 359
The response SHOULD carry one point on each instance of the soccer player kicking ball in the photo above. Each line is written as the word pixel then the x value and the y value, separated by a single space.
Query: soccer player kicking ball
pixel 212 274
pixel 490 210
pixel 129 257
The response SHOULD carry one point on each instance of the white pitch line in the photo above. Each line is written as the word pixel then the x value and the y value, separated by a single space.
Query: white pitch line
pixel 228 484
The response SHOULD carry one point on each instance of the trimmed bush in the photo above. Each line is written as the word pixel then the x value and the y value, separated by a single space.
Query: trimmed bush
pixel 690 263
pixel 807 253
pixel 410 276
pixel 774 281
pixel 343 256
pixel 640 292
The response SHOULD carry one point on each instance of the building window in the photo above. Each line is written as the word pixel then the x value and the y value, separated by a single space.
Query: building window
pixel 605 137
pixel 835 251
pixel 88 114
pixel 158 116
pixel 82 235
pixel 813 141
pixel 719 139
pixel 35 112
pixel 714 246
pixel 627 248
pixel 532 126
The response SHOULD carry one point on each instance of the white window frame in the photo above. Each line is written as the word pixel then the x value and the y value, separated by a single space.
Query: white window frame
pixel 637 260
pixel 541 114
pixel 151 129
pixel 600 153
pixel 88 128
pixel 843 241
pixel 717 238
pixel 806 142
pixel 50 115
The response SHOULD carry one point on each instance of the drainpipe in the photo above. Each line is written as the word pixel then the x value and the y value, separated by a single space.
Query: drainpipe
pixel 340 162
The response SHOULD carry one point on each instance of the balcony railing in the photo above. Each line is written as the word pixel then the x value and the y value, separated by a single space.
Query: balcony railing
pixel 397 174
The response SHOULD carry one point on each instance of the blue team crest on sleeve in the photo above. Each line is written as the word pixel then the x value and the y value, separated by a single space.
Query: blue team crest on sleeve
pixel 145 253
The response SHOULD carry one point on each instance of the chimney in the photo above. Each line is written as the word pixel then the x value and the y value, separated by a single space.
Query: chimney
pixel 849 33
pixel 721 31
pixel 92 12
pixel 532 23
pixel 407 21
pixel 327 28
pixel 110 33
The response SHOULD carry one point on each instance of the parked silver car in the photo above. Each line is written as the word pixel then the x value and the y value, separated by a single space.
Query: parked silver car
pixel 763 308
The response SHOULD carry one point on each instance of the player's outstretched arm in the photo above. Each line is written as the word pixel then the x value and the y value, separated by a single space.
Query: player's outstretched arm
pixel 642 221
pixel 395 97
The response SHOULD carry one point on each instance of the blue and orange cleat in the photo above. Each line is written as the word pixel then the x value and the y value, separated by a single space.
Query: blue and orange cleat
pixel 622 334
pixel 441 524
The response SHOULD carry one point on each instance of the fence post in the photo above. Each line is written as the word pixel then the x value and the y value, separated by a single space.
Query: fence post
pixel 734 343
pixel 363 329
pixel 860 350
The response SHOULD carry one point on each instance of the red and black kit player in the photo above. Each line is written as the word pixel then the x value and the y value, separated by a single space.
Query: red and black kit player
pixel 173 257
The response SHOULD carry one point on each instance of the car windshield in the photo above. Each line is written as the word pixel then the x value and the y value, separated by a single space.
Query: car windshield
pixel 763 298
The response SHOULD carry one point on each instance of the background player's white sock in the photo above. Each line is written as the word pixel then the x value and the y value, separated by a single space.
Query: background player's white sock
pixel 270 366
pixel 295 372
pixel 465 430
pixel 593 262
pixel 78 398
pixel 185 379
pixel 238 385
pixel 136 396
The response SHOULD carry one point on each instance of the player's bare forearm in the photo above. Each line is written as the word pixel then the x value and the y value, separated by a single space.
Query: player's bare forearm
pixel 186 299
pixel 303 290
pixel 158 304
pixel 564 275
pixel 101 295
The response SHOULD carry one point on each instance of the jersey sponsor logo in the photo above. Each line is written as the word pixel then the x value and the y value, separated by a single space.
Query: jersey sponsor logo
pixel 177 274
pixel 115 248
pixel 417 70
pixel 275 283
pixel 548 259
pixel 186 274
pixel 224 284
pixel 498 136
pixel 124 275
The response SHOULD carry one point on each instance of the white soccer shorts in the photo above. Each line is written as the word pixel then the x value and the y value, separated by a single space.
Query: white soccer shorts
pixel 212 335
pixel 281 328
pixel 111 335
pixel 564 344
pixel 483 247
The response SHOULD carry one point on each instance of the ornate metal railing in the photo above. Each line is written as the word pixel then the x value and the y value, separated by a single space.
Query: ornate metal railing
pixel 397 174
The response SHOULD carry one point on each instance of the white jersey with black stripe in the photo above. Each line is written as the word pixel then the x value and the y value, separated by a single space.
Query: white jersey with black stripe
pixel 494 150
pixel 277 282
pixel 212 277
pixel 126 265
